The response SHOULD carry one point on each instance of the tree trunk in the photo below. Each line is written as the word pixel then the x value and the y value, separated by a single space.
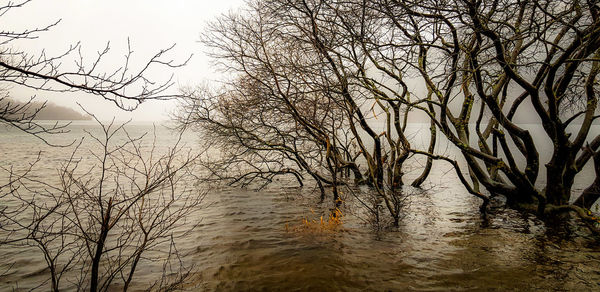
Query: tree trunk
pixel 592 193
pixel 100 248
pixel 417 182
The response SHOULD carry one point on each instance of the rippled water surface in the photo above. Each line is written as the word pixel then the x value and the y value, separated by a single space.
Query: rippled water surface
pixel 249 240
pixel 441 245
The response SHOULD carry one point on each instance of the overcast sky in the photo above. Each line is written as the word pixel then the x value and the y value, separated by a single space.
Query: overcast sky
pixel 149 24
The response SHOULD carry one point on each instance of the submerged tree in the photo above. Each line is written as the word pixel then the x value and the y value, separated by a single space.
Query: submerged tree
pixel 473 67
pixel 300 102
pixel 487 62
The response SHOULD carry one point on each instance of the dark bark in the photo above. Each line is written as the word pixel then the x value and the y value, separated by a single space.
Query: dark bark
pixel 592 193
pixel 97 257
pixel 419 180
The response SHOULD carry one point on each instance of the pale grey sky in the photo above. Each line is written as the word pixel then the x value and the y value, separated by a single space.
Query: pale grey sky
pixel 149 24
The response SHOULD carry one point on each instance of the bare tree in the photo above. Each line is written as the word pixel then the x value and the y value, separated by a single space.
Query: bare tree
pixel 281 123
pixel 124 206
pixel 486 63
pixel 459 62
pixel 303 100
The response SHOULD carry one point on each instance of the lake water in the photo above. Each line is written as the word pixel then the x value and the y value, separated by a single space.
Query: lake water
pixel 249 240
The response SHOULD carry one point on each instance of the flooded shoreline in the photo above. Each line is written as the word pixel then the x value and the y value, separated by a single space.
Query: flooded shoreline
pixel 441 245
pixel 255 240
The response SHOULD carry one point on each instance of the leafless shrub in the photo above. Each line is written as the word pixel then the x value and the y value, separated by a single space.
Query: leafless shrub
pixel 117 206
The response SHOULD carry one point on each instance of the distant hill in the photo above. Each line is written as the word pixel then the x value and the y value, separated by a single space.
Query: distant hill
pixel 50 112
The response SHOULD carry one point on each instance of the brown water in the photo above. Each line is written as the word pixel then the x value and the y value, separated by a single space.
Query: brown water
pixel 442 244
pixel 255 241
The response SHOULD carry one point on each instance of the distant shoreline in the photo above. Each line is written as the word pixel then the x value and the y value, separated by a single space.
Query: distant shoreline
pixel 48 111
